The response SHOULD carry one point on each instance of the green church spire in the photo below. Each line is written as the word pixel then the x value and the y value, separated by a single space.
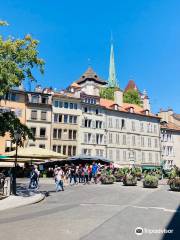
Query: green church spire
pixel 112 81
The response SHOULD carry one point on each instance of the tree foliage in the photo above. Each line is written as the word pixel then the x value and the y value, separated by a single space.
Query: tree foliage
pixel 11 124
pixel 107 93
pixel 18 57
pixel 132 96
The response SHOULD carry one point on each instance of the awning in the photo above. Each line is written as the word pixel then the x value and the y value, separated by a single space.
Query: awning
pixel 88 158
pixel 10 164
pixel 3 157
pixel 36 153
pixel 150 167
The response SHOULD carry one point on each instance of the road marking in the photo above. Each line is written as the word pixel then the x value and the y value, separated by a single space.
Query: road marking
pixel 157 208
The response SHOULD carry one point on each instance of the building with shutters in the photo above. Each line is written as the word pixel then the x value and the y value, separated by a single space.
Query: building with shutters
pixel 170 138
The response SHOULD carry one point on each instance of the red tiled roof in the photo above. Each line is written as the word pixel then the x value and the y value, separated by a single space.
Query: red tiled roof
pixel 170 126
pixel 109 104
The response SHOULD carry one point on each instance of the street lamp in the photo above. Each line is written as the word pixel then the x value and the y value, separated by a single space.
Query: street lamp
pixel 17 137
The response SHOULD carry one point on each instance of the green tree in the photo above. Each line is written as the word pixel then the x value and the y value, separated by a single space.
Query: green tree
pixel 132 96
pixel 107 93
pixel 18 58
pixel 11 124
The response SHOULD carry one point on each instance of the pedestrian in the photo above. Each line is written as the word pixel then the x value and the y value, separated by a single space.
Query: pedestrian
pixel 86 176
pixel 59 179
pixel 72 174
pixel 33 179
pixel 94 172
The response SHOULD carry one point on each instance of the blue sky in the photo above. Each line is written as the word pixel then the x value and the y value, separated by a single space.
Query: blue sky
pixel 146 41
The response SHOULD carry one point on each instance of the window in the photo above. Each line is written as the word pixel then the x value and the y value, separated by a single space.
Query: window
pixel 64 150
pixel 117 155
pixel 57 117
pixel 54 148
pixel 42 145
pixel 35 99
pixel 141 127
pixel 149 142
pixel 117 123
pixel 71 105
pixel 110 154
pixel 74 150
pixel 97 111
pixel 74 134
pixel 59 133
pixel 87 152
pixel 54 133
pixel 150 157
pixel 87 123
pixel 133 125
pixel 65 118
pixel 123 126
pixel 42 132
pixel 69 150
pixel 85 109
pixel 117 138
pixel 124 156
pixel 56 103
pixel 75 105
pixel 143 157
pixel 110 122
pixel 59 148
pixel 66 105
pixel 75 119
pixel 157 157
pixel 155 129
pixel 33 130
pixel 43 115
pixel 124 140
pixel 142 141
pixel 155 143
pixel 133 140
pixel 44 100
pixel 110 138
pixel 33 114
pixel 70 134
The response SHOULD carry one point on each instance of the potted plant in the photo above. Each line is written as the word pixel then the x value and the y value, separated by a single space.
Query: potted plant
pixel 174 180
pixel 119 174
pixel 150 181
pixel 107 177
pixel 130 180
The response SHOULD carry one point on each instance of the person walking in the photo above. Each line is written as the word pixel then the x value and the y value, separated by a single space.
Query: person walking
pixel 33 179
pixel 59 179
pixel 94 172
pixel 86 176
pixel 72 174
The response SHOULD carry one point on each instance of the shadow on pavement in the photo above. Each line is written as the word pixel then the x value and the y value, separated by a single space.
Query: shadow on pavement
pixel 174 224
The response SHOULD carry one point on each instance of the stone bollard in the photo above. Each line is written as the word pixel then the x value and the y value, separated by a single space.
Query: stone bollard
pixel 7 187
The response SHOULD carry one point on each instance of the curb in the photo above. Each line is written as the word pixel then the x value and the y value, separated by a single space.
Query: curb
pixel 41 198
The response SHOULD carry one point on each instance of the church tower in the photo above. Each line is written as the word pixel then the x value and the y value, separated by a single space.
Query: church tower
pixel 112 80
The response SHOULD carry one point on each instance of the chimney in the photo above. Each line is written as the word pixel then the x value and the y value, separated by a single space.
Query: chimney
pixel 146 103
pixel 118 97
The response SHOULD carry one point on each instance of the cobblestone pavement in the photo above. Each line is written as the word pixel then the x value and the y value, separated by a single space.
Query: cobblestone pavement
pixel 95 212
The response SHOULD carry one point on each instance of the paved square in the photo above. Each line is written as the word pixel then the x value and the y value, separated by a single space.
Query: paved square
pixel 93 212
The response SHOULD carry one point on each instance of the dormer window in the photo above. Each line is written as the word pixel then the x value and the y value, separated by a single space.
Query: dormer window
pixel 116 107
pixel 131 110
pixel 147 112
pixel 35 99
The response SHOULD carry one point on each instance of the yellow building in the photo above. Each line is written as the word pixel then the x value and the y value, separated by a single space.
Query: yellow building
pixel 14 101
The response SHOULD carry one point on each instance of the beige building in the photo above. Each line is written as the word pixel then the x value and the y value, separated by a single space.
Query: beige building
pixel 66 113
pixel 170 138
pixel 12 101
pixel 39 117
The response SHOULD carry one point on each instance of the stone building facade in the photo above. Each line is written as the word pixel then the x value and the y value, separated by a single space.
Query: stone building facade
pixel 14 101
pixel 170 138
